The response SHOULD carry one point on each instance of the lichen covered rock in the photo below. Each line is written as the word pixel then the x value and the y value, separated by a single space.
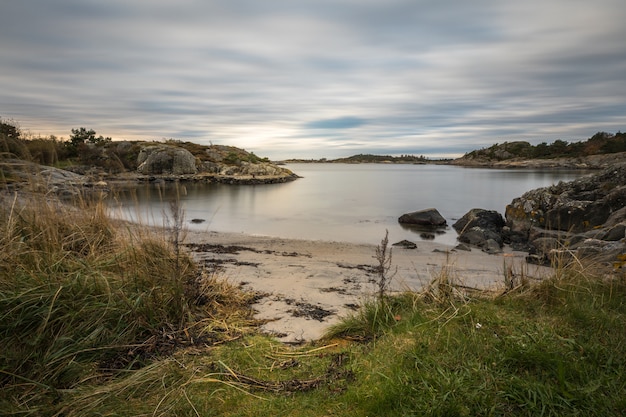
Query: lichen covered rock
pixel 165 159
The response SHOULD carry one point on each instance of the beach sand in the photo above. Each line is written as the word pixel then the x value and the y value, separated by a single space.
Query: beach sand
pixel 309 285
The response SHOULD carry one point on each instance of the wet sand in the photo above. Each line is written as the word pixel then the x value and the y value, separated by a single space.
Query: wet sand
pixel 309 285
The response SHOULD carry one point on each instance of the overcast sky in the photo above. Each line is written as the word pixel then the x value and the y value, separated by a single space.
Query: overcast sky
pixel 317 78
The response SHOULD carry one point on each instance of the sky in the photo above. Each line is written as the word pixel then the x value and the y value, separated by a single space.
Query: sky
pixel 317 78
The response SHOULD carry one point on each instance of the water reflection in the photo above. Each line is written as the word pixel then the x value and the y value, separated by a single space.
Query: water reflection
pixel 354 203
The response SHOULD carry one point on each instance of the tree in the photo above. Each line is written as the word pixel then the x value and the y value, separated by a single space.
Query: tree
pixel 83 135
pixel 80 137
pixel 9 129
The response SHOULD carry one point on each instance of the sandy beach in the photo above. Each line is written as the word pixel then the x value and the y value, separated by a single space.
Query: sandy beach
pixel 309 285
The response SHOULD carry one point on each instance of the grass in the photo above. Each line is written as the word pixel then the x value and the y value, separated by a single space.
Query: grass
pixel 524 354
pixel 101 318
pixel 83 300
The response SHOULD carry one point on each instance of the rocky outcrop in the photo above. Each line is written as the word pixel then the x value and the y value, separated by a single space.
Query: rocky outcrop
pixel 32 177
pixel 481 228
pixel 212 164
pixel 591 162
pixel 165 159
pixel 428 217
pixel 585 218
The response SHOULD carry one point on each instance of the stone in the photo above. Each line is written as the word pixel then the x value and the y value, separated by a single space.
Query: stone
pixel 544 245
pixel 482 228
pixel 584 218
pixel 617 232
pixel 463 246
pixel 478 236
pixel 616 217
pixel 487 219
pixel 491 246
pixel 405 244
pixel 577 216
pixel 427 217
pixel 165 160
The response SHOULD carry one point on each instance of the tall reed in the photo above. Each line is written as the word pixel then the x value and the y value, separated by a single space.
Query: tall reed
pixel 79 294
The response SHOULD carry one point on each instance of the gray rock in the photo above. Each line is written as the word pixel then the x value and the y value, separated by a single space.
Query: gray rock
pixel 617 232
pixel 463 246
pixel 544 245
pixel 165 159
pixel 482 228
pixel 406 244
pixel 486 219
pixel 585 218
pixel 427 217
pixel 616 217
pixel 577 216
pixel 478 236
pixel 491 247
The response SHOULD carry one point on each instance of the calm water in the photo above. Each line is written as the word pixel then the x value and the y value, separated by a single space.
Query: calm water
pixel 352 203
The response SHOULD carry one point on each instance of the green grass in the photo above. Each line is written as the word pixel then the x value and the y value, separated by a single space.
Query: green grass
pixel 554 350
pixel 102 319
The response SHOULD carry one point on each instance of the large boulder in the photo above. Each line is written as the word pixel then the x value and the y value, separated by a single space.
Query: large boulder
pixel 428 217
pixel 166 160
pixel 482 228
pixel 486 219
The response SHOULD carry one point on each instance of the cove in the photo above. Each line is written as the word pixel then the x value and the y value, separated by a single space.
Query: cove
pixel 338 202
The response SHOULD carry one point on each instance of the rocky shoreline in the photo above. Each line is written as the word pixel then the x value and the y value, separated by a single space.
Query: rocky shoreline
pixel 591 162
pixel 582 220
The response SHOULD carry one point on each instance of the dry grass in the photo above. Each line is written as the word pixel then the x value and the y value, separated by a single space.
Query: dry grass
pixel 83 298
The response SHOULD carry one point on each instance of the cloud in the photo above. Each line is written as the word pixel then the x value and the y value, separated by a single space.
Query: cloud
pixel 317 77
pixel 347 122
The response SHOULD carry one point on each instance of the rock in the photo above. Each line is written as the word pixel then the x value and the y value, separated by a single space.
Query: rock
pixel 406 244
pixel 598 251
pixel 616 217
pixel 544 245
pixel 482 228
pixel 585 218
pixel 166 159
pixel 462 246
pixel 492 247
pixel 478 236
pixel 615 233
pixel 487 219
pixel 577 216
pixel 427 217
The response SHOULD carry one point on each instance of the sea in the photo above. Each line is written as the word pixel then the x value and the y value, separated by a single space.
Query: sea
pixel 357 203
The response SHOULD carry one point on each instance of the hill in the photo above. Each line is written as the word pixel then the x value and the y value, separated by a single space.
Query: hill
pixel 370 159
pixel 102 159
pixel 599 151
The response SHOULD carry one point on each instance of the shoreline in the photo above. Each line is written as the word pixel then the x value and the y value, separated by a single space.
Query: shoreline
pixel 306 286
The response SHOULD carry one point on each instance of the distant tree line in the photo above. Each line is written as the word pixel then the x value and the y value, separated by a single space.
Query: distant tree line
pixel 600 143
pixel 368 158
